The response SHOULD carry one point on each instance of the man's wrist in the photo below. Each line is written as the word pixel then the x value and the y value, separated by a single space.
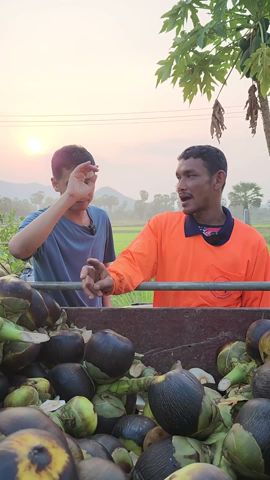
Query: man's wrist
pixel 68 199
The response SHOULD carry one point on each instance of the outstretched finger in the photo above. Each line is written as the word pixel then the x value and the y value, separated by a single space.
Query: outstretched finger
pixel 87 270
pixel 96 264
pixel 86 287
pixel 88 280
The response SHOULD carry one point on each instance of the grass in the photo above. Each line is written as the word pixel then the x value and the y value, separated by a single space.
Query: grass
pixel 264 229
pixel 123 236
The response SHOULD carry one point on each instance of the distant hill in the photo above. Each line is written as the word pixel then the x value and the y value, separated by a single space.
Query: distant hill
pixel 123 200
pixel 25 190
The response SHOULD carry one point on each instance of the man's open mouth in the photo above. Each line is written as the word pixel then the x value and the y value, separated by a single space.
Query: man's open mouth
pixel 185 198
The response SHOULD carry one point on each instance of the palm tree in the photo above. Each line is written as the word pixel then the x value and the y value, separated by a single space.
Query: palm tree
pixel 246 195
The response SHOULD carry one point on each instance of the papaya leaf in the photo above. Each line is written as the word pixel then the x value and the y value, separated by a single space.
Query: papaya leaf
pixel 164 71
pixel 194 16
pixel 201 38
pixel 220 29
pixel 252 6
pixel 219 9
pixel 176 17
pixel 259 65
pixel 264 71
pixel 208 85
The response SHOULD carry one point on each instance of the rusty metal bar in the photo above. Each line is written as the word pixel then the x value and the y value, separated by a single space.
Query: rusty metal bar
pixel 168 286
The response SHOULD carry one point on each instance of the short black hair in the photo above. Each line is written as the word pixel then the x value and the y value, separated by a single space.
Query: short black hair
pixel 213 158
pixel 69 157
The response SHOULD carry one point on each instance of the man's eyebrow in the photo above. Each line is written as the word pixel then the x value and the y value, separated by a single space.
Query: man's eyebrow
pixel 186 172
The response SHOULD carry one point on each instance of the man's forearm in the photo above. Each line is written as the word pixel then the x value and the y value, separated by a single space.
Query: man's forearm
pixel 25 243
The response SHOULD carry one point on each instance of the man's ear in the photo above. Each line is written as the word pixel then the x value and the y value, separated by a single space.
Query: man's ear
pixel 220 180
pixel 55 184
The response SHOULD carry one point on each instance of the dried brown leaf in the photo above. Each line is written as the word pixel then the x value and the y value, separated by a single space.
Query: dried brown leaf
pixel 253 107
pixel 217 120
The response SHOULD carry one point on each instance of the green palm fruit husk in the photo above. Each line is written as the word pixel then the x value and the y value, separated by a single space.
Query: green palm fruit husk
pixel 57 420
pixel 148 372
pixel 227 468
pixel 95 373
pixel 109 409
pixel 15 297
pixel 13 308
pixel 237 396
pixel 244 392
pixel 122 457
pixel 126 386
pixel 264 347
pixel 42 386
pixel 246 445
pixel 234 364
pixel 17 355
pixel 215 442
pixel 164 457
pixel 244 454
pixel 78 417
pixel 188 450
pixel 213 394
pixel 230 405
pixel 199 471
pixel 22 397
pixel 210 419
pixel 138 369
pixel 108 406
pixel 147 412
pixel 37 313
pixel 11 332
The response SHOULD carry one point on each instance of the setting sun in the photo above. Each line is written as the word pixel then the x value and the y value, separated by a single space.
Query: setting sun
pixel 34 145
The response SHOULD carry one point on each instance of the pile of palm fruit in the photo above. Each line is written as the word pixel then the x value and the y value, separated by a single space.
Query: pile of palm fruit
pixel 78 405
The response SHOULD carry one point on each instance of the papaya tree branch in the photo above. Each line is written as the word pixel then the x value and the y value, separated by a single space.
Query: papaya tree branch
pixel 231 69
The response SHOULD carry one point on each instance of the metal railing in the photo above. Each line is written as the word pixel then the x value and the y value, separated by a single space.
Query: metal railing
pixel 166 286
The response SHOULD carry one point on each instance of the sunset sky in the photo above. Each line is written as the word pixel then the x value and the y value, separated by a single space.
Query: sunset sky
pixel 82 71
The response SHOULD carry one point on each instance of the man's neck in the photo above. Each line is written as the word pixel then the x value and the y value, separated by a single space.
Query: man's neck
pixel 80 217
pixel 214 217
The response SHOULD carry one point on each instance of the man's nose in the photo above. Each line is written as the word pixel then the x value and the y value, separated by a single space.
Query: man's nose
pixel 181 185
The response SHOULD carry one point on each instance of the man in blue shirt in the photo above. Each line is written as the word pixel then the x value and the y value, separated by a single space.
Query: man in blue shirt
pixel 61 238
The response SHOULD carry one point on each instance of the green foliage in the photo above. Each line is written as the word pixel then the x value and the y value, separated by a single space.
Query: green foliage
pixel 9 224
pixel 203 53
pixel 258 65
pixel 246 194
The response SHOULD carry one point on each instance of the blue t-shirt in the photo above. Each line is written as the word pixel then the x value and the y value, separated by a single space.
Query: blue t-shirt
pixel 61 257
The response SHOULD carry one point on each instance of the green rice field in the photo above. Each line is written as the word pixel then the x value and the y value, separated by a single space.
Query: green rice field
pixel 124 235
pixel 264 229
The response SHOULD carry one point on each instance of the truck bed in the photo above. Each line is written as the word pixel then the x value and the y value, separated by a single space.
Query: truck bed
pixel 165 335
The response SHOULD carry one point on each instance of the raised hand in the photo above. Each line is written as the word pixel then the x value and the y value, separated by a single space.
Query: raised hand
pixel 81 184
pixel 96 280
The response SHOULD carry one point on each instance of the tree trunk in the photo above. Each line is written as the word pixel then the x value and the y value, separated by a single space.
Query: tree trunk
pixel 264 104
pixel 246 215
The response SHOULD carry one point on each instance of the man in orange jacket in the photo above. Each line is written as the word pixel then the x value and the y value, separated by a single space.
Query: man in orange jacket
pixel 202 243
